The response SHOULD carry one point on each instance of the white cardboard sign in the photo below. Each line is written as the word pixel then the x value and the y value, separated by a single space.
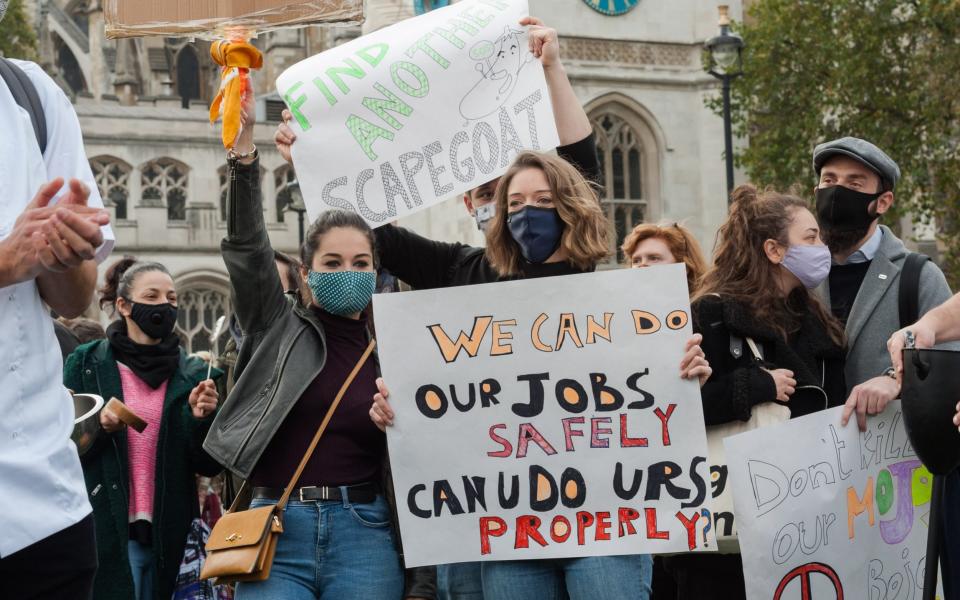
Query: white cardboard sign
pixel 406 117
pixel 545 418
pixel 833 513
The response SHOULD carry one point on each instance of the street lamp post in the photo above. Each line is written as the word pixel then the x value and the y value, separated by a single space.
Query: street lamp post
pixel 296 204
pixel 726 64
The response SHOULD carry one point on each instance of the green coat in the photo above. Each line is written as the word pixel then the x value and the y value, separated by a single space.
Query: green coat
pixel 92 369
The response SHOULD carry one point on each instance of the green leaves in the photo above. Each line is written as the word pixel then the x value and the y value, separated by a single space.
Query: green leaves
pixel 17 37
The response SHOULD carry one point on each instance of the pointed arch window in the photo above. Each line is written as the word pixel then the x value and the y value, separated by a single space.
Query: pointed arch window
pixel 198 308
pixel 165 180
pixel 628 165
pixel 188 75
pixel 112 176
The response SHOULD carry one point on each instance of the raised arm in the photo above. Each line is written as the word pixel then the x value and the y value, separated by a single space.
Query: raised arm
pixel 257 291
pixel 572 122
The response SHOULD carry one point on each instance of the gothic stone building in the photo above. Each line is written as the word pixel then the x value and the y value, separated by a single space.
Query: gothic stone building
pixel 160 166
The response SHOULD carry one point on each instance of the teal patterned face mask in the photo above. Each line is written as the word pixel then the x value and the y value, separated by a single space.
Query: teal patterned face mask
pixel 342 292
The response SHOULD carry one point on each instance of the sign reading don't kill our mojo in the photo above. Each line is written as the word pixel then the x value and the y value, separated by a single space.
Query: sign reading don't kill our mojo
pixel 415 113
pixel 545 418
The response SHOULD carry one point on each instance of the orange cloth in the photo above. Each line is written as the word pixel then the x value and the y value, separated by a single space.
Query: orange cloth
pixel 236 59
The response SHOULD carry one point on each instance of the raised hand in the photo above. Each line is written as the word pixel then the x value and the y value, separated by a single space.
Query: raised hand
pixel 544 41
pixel 285 137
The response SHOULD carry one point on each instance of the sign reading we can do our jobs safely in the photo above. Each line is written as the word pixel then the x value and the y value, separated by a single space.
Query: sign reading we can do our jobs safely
pixel 545 425
pixel 408 116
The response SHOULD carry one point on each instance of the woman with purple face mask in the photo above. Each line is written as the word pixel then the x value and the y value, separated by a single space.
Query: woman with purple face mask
pixel 768 258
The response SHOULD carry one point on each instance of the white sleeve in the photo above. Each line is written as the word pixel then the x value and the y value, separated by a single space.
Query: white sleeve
pixel 65 156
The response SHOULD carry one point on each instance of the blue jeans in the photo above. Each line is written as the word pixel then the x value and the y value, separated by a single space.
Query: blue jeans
pixel 459 581
pixel 607 577
pixel 141 565
pixel 331 550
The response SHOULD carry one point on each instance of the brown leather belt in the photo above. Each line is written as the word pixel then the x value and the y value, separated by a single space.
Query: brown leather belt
pixel 362 493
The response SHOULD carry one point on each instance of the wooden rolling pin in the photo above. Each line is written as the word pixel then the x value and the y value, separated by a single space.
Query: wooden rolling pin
pixel 126 415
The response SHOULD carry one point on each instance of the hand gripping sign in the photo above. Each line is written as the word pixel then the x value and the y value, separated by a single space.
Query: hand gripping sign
pixel 545 418
pixel 413 114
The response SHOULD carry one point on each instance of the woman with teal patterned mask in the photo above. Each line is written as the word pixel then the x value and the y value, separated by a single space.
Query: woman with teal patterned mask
pixel 297 352
pixel 341 276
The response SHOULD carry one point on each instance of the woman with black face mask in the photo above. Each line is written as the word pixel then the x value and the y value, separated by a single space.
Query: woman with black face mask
pixel 142 485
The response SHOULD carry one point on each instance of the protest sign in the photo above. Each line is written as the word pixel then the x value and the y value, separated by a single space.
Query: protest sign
pixel 221 18
pixel 834 513
pixel 534 424
pixel 413 114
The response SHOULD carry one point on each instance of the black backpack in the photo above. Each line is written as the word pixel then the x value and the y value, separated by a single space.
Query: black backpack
pixel 26 96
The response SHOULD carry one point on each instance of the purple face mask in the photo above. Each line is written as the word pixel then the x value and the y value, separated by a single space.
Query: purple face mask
pixel 810 264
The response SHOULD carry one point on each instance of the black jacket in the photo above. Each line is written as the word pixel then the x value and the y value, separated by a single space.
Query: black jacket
pixel 427 264
pixel 739 382
pixel 283 350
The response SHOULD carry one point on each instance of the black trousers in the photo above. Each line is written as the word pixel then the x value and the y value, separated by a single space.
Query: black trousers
pixel 57 567
pixel 707 576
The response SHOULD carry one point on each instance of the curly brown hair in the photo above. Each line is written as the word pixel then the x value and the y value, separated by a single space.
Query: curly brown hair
pixel 742 272
pixel 586 228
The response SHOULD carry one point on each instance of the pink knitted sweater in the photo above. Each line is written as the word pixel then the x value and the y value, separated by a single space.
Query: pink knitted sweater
pixel 142 447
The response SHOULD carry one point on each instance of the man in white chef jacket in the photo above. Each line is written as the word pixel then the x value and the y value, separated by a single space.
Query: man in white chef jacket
pixel 53 232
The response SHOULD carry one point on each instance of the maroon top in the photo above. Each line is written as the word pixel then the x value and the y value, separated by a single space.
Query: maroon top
pixel 352 448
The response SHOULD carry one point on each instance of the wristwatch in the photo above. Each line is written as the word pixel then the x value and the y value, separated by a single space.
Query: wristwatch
pixel 232 154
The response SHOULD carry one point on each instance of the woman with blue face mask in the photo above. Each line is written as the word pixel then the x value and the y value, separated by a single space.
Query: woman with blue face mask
pixel 768 258
pixel 339 537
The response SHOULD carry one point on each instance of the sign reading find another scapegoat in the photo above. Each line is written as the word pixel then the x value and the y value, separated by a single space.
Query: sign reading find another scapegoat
pixel 545 418
pixel 834 513
pixel 413 114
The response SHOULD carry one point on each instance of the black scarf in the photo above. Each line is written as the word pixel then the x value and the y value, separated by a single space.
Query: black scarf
pixel 153 364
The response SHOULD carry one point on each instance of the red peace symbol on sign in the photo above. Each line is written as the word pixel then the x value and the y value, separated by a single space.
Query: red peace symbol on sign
pixel 804 572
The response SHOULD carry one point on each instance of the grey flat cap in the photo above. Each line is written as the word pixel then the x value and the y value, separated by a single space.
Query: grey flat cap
pixel 860 150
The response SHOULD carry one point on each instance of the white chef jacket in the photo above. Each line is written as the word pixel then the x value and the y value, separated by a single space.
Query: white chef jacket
pixel 41 483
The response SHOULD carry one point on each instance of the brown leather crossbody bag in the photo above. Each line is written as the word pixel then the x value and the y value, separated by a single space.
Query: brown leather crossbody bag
pixel 242 543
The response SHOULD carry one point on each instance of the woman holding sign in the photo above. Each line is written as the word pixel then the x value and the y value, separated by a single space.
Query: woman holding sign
pixel 767 337
pixel 141 480
pixel 298 362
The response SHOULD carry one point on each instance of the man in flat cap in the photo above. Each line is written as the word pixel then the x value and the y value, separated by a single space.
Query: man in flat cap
pixel 870 266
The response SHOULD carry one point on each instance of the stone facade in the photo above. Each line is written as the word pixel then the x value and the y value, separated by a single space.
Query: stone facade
pixel 142 105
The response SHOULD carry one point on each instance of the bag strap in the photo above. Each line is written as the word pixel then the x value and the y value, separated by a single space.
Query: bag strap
pixel 908 297
pixel 323 426
pixel 757 355
pixel 25 94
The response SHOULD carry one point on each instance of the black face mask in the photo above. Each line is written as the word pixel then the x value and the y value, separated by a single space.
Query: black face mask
pixel 155 320
pixel 844 216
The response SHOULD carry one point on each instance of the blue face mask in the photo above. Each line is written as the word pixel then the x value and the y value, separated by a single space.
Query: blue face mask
pixel 537 231
pixel 342 293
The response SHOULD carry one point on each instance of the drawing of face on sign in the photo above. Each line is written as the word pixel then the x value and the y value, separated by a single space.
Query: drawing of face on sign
pixel 499 64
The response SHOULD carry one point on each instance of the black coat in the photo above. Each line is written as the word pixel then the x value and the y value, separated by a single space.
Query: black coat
pixel 739 382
